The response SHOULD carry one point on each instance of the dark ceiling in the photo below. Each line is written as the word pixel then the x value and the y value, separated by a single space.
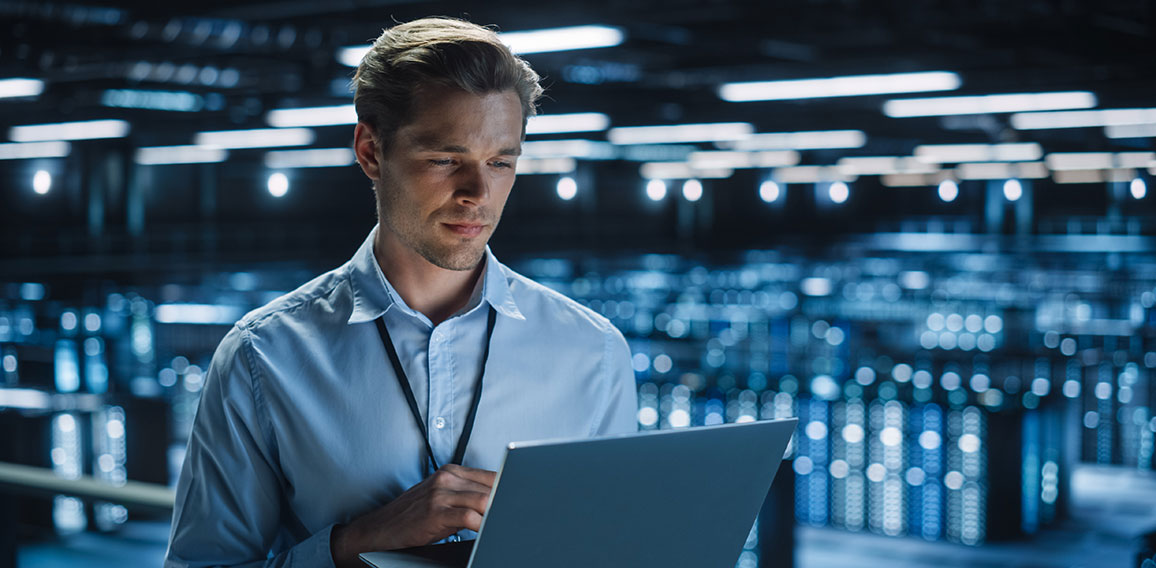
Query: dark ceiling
pixel 250 57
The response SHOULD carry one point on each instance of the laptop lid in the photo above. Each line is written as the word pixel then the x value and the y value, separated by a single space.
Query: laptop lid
pixel 658 499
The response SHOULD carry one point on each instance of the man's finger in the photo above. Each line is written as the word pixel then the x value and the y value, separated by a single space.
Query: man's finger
pixel 471 500
pixel 483 476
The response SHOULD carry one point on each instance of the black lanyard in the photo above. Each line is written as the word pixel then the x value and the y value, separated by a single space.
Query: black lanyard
pixel 403 380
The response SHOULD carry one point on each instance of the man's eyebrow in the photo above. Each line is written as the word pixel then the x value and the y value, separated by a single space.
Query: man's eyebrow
pixel 432 144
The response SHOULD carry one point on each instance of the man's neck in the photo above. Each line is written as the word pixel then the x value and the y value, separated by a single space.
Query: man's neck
pixel 434 291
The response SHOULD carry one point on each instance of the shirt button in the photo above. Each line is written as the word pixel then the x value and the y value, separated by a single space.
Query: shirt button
pixel 438 336
pixel 439 422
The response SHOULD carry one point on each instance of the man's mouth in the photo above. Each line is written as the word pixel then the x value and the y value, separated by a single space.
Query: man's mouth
pixel 468 230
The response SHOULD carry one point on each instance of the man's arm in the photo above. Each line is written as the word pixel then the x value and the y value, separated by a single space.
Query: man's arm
pixel 228 503
pixel 621 409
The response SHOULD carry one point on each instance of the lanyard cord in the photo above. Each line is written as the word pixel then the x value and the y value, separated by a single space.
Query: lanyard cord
pixel 403 380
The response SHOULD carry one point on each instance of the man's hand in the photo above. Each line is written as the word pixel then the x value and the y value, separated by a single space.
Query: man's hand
pixel 452 499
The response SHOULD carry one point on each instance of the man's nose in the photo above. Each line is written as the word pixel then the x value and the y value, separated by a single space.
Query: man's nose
pixel 472 185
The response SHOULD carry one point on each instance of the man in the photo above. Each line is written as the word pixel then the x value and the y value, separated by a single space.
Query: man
pixel 343 417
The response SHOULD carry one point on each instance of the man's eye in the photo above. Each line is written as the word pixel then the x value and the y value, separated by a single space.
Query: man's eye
pixel 443 162
pixel 503 164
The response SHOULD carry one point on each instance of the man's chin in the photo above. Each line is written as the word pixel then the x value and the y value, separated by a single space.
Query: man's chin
pixel 458 258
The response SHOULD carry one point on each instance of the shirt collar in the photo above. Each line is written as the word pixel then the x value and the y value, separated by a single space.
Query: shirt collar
pixel 373 295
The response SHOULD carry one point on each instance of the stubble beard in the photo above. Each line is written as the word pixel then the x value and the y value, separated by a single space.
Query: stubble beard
pixel 409 229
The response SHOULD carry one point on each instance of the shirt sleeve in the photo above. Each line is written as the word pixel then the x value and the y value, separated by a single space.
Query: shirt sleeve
pixel 228 500
pixel 620 413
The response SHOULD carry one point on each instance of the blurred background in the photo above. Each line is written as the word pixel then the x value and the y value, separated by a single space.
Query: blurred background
pixel 921 227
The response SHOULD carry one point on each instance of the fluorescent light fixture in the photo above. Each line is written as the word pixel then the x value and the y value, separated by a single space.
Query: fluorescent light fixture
pixel 1083 118
pixel 678 133
pixel 852 86
pixel 559 123
pixel 811 174
pixel 313 158
pixel 175 101
pixel 529 41
pixel 562 39
pixel 589 149
pixel 816 140
pixel 311 116
pixel 159 155
pixel 739 160
pixel 84 130
pixel 1130 131
pixel 259 138
pixel 1079 161
pixel 27 150
pixel 1122 175
pixel 1002 170
pixel 989 104
pixel 198 314
pixel 25 399
pixel 18 88
pixel 530 166
pixel 880 165
pixel 1135 159
pixel 959 153
pixel 681 170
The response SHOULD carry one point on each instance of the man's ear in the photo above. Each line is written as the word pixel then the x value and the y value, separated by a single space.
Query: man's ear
pixel 365 147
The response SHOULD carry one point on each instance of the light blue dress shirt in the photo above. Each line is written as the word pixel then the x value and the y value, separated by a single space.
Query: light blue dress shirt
pixel 302 423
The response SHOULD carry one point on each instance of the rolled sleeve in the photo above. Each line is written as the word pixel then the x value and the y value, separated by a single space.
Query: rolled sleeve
pixel 228 507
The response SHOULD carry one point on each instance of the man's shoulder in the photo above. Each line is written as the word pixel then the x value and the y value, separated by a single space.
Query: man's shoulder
pixel 554 307
pixel 325 297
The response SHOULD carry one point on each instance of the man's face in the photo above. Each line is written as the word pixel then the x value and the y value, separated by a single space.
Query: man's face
pixel 445 176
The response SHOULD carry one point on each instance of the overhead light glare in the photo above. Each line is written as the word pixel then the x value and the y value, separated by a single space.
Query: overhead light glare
pixel 525 42
pixel 1079 161
pixel 656 189
pixel 41 182
pixel 560 123
pixel 278 184
pixel 815 140
pixel 567 188
pixel 1002 170
pixel 588 149
pixel 175 101
pixel 811 174
pixel 258 138
pixel 1013 190
pixel 851 86
pixel 83 130
pixel 680 133
pixel 769 191
pixel 160 155
pixel 959 153
pixel 692 190
pixel 529 166
pixel 989 104
pixel 839 192
pixel 1083 118
pixel 1116 131
pixel 948 190
pixel 562 39
pixel 681 170
pixel 312 158
pixel 739 160
pixel 880 165
pixel 29 150
pixel 1138 188
pixel 311 116
pixel 20 88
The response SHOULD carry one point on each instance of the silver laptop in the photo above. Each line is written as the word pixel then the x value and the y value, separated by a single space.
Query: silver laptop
pixel 650 500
